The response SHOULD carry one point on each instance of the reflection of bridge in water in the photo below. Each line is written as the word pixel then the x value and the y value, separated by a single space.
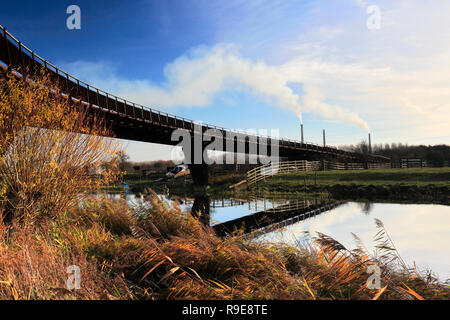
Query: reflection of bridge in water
pixel 269 204
pixel 219 202
pixel 224 203
pixel 272 214
pixel 278 205
pixel 292 220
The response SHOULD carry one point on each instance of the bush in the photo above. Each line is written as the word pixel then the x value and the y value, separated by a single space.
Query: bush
pixel 51 150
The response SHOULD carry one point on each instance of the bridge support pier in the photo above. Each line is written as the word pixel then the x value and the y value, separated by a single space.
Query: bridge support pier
pixel 200 175
pixel 201 208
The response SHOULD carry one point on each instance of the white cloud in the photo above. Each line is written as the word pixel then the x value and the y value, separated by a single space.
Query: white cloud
pixel 395 78
pixel 195 78
pixel 392 79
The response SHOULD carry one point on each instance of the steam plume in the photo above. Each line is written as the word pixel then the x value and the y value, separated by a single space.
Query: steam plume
pixel 196 77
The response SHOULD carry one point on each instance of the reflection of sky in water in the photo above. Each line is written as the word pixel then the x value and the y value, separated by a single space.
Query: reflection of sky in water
pixel 421 233
pixel 219 215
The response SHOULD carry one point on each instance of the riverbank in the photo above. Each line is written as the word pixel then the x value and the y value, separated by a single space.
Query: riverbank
pixel 421 184
pixel 161 252
pixel 218 183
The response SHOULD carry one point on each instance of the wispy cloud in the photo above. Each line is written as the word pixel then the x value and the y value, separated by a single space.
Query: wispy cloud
pixel 392 79
pixel 395 78
pixel 194 79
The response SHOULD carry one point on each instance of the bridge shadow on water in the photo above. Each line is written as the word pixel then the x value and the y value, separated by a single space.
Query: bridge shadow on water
pixel 266 214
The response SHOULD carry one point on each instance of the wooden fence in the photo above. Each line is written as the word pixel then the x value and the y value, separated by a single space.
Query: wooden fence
pixel 261 173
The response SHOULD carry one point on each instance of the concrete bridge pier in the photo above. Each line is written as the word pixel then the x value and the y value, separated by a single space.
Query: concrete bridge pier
pixel 201 207
pixel 197 166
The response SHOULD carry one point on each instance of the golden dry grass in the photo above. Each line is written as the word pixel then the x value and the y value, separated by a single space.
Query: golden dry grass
pixel 165 253
pixel 184 259
pixel 52 152
pixel 158 252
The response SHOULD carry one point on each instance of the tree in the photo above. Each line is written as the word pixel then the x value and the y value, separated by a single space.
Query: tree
pixel 362 147
pixel 123 159
pixel 51 151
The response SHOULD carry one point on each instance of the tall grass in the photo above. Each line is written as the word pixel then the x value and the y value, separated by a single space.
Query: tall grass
pixel 51 151
pixel 182 258
pixel 163 252
pixel 33 265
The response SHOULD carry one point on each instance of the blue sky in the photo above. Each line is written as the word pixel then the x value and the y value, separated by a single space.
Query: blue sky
pixel 259 64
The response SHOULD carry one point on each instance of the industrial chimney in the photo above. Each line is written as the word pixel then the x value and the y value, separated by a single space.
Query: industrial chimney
pixel 301 128
pixel 324 141
pixel 370 145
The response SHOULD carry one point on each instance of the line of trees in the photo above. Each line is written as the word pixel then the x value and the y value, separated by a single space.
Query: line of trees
pixel 158 166
pixel 437 155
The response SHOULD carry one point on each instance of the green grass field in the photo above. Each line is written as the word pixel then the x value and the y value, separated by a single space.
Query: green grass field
pixel 295 182
pixel 408 177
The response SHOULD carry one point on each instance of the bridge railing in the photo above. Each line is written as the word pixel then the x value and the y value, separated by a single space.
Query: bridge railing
pixel 21 58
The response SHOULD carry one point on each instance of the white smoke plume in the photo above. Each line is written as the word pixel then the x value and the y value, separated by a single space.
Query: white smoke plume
pixel 196 77
pixel 313 102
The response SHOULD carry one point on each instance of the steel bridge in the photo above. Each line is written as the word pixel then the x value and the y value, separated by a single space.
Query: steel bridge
pixel 133 121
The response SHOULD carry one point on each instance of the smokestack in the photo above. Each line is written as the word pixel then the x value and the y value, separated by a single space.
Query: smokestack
pixel 370 145
pixel 324 141
pixel 301 128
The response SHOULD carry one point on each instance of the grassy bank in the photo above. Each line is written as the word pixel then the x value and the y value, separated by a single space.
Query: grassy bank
pixel 407 177
pixel 218 183
pixel 297 181
pixel 164 253
pixel 421 184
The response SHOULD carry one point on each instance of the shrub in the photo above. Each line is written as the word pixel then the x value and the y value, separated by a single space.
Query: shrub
pixel 52 150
